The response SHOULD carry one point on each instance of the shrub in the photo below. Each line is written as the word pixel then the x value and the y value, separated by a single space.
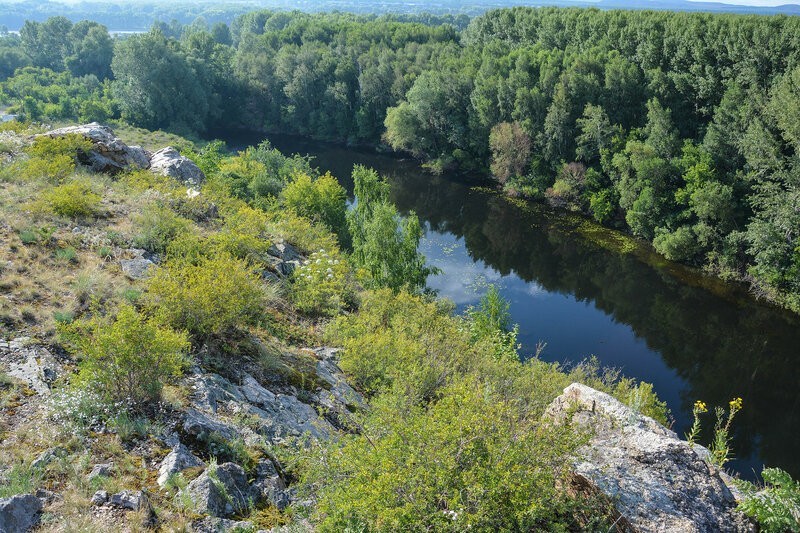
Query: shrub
pixel 158 226
pixel 321 284
pixel 207 297
pixel 777 506
pixel 298 230
pixel 74 200
pixel 129 359
pixel 401 338
pixel 320 200
pixel 678 245
pixel 472 460
pixel 54 158
pixel 245 234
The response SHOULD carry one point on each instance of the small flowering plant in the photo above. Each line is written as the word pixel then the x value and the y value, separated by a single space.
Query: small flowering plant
pixel 322 284
pixel 720 449
pixel 698 409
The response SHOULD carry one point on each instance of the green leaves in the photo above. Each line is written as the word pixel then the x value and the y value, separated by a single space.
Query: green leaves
pixel 384 243
pixel 131 357
pixel 776 507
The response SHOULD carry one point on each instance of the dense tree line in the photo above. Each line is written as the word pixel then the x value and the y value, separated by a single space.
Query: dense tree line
pixel 679 127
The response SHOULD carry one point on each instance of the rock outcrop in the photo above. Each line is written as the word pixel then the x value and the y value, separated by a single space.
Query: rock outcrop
pixel 137 266
pixel 169 162
pixel 109 154
pixel 19 513
pixel 286 258
pixel 30 362
pixel 220 491
pixel 178 460
pixel 279 415
pixel 656 482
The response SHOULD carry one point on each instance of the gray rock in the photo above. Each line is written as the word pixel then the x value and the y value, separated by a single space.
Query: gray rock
pixel 211 524
pixel 169 162
pixel 268 486
pixel 284 251
pixel 289 417
pixel 201 426
pixel 221 491
pixel 129 500
pixel 100 470
pixel 19 513
pixel 137 268
pixel 287 268
pixel 109 154
pixel 100 497
pixel 209 390
pixel 178 460
pixel 47 457
pixel 47 496
pixel 656 481
pixel 33 364
pixel 255 392
pixel 340 388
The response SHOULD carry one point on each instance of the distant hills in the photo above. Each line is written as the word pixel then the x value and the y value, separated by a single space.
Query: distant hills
pixel 140 15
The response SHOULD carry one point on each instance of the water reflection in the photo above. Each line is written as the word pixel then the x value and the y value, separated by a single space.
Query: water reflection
pixel 692 337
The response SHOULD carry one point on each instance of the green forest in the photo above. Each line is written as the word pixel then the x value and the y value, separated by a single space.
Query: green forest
pixel 681 128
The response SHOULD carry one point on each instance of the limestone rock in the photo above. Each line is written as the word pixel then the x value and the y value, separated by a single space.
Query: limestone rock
pixel 19 513
pixel 169 162
pixel 268 486
pixel 47 457
pixel 284 251
pixel 209 390
pixel 201 426
pixel 137 268
pixel 287 258
pixel 129 500
pixel 178 460
pixel 212 524
pixel 100 470
pixel 100 497
pixel 220 491
pixel 656 481
pixel 109 154
pixel 31 363
pixel 329 371
pixel 282 415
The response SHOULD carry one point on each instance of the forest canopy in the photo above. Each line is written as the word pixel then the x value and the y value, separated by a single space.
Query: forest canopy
pixel 680 128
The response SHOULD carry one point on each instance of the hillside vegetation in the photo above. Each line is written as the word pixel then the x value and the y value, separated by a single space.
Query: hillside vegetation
pixel 241 278
pixel 677 127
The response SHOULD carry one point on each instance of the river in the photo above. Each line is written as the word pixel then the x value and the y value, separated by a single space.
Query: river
pixel 586 291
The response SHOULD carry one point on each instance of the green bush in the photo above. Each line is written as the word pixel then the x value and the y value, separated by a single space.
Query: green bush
pixel 472 460
pixel 75 199
pixel 207 297
pixel 129 359
pixel 679 245
pixel 53 158
pixel 776 507
pixel 158 226
pixel 320 200
pixel 322 285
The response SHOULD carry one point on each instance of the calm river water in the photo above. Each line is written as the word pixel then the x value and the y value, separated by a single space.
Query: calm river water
pixel 691 336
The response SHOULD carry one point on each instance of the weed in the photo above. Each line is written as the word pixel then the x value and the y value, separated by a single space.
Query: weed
pixel 22 478
pixel 64 317
pixel 67 255
pixel 105 252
